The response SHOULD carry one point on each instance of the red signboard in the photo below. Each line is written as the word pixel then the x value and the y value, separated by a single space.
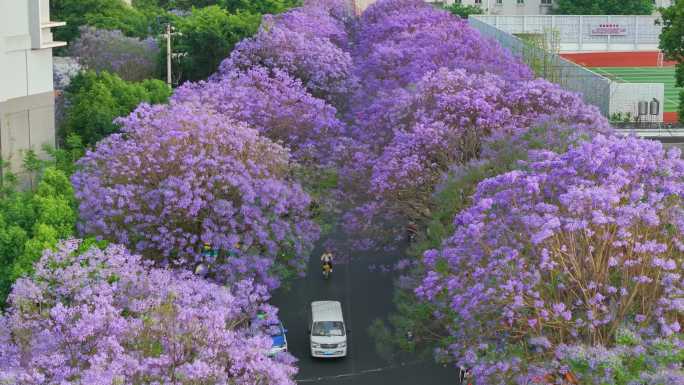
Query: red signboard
pixel 609 29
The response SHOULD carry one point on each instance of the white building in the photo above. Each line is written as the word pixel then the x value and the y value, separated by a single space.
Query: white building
pixel 525 7
pixel 27 105
pixel 663 3
pixel 510 7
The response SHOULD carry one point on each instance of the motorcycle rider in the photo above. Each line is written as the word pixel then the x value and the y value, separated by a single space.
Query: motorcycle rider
pixel 327 259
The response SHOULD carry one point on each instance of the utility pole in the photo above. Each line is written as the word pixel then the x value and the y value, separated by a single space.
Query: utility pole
pixel 168 54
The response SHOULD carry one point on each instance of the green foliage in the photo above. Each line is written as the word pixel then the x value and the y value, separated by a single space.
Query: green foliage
pixel 96 99
pixel 680 108
pixel 463 11
pixel 32 164
pixel 672 37
pixel 105 14
pixel 619 117
pixel 320 183
pixel 232 6
pixel 540 54
pixel 604 7
pixel 65 157
pixel 32 221
pixel 672 43
pixel 208 36
pixel 262 6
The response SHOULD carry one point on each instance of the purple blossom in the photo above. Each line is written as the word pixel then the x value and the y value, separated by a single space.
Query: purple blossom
pixel 105 316
pixel 182 175
pixel 109 50
pixel 509 212
pixel 275 104
pixel 294 46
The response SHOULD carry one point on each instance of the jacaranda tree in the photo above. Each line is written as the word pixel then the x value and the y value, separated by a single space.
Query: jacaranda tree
pixel 180 176
pixel 575 249
pixel 399 41
pixel 105 50
pixel 275 104
pixel 449 118
pixel 106 317
pixel 323 68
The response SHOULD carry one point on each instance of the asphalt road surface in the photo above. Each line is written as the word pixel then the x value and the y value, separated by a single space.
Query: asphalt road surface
pixel 365 295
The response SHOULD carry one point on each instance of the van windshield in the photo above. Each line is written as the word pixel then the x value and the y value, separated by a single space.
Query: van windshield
pixel 328 329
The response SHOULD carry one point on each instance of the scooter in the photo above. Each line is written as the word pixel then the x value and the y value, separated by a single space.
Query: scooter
pixel 464 376
pixel 411 233
pixel 327 270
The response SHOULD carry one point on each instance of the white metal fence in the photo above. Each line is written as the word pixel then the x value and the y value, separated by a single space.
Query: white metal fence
pixel 586 33
pixel 595 89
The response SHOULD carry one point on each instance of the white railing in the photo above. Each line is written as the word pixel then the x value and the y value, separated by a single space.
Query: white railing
pixel 595 89
pixel 586 33
pixel 609 96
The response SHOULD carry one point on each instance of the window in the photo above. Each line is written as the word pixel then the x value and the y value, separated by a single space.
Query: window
pixel 546 2
pixel 521 2
pixel 499 2
pixel 328 329
pixel 478 2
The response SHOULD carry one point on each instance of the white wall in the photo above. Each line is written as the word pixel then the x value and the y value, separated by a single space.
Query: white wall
pixel 528 7
pixel 577 33
pixel 624 97
pixel 509 7
pixel 27 119
pixel 24 68
pixel 663 3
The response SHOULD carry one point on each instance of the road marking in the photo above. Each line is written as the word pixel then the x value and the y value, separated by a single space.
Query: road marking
pixel 361 373
pixel 607 74
pixel 350 338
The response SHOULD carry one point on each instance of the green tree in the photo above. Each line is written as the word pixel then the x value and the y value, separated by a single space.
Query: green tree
pixel 104 14
pixel 261 6
pixel 672 44
pixel 31 222
pixel 232 6
pixel 463 11
pixel 208 36
pixel 604 7
pixel 95 100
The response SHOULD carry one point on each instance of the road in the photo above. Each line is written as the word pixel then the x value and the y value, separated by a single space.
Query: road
pixel 365 295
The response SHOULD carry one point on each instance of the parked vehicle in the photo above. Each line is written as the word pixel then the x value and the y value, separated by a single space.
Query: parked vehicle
pixel 327 331
pixel 279 338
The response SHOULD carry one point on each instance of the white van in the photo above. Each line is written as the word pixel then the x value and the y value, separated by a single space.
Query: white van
pixel 327 332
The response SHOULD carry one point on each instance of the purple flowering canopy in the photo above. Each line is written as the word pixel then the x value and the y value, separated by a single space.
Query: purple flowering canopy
pixel 401 40
pixel 182 175
pixel 449 118
pixel 275 104
pixel 322 66
pixel 106 317
pixel 110 50
pixel 316 20
pixel 565 251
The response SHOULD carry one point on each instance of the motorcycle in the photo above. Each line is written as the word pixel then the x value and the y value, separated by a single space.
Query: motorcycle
pixel 411 233
pixel 464 376
pixel 327 270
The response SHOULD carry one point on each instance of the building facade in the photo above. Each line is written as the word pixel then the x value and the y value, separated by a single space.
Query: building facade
pixel 525 7
pixel 510 7
pixel 663 3
pixel 27 104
